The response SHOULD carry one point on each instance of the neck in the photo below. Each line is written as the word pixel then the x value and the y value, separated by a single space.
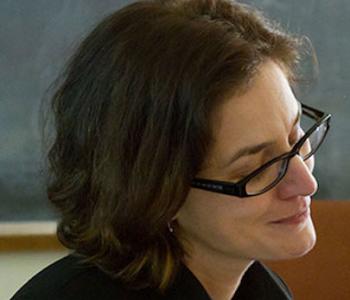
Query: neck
pixel 220 276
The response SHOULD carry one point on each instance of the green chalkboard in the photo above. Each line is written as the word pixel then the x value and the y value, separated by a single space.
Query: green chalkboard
pixel 37 37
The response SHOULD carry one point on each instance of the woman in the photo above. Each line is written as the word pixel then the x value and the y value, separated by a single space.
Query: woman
pixel 181 158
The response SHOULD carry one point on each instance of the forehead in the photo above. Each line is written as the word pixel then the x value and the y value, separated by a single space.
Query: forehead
pixel 265 111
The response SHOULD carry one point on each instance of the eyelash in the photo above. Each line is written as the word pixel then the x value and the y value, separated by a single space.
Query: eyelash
pixel 294 139
pixel 299 133
pixel 292 142
pixel 241 175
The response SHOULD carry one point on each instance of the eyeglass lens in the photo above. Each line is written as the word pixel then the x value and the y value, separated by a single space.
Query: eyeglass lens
pixel 269 176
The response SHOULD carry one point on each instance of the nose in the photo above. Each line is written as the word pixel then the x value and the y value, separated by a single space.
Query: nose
pixel 298 180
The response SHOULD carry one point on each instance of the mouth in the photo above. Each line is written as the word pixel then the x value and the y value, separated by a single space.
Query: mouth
pixel 297 218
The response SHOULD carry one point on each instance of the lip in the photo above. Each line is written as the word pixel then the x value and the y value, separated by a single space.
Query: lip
pixel 297 218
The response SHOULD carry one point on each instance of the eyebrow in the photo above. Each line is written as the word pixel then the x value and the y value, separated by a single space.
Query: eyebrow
pixel 254 149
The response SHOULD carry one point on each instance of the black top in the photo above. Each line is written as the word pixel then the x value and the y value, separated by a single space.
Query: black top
pixel 67 280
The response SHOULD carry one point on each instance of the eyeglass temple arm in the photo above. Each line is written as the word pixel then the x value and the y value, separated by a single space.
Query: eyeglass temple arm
pixel 312 112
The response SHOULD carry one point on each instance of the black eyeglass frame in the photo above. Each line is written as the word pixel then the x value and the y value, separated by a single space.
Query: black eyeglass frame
pixel 239 189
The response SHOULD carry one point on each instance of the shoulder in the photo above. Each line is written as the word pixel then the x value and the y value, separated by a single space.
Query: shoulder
pixel 69 278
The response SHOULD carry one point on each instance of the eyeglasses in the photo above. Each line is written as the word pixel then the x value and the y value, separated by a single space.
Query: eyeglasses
pixel 270 173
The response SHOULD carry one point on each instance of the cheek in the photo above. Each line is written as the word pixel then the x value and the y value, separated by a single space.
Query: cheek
pixel 207 208
pixel 222 222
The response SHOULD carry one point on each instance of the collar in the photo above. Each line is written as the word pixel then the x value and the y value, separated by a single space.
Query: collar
pixel 259 283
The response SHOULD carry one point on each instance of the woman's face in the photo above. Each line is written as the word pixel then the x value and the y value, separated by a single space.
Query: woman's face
pixel 251 228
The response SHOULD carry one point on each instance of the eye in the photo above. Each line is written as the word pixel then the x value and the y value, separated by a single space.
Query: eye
pixel 296 136
pixel 239 175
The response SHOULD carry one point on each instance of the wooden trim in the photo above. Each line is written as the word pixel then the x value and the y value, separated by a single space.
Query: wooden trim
pixel 30 243
pixel 29 236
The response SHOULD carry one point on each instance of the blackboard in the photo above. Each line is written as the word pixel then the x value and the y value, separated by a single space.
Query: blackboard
pixel 37 37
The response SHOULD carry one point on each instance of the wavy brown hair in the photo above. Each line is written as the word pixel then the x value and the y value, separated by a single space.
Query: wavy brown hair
pixel 132 117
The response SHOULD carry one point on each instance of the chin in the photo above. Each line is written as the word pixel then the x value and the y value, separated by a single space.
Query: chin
pixel 296 243
pixel 306 241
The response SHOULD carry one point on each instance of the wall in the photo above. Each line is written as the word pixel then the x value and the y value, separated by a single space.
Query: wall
pixel 17 267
